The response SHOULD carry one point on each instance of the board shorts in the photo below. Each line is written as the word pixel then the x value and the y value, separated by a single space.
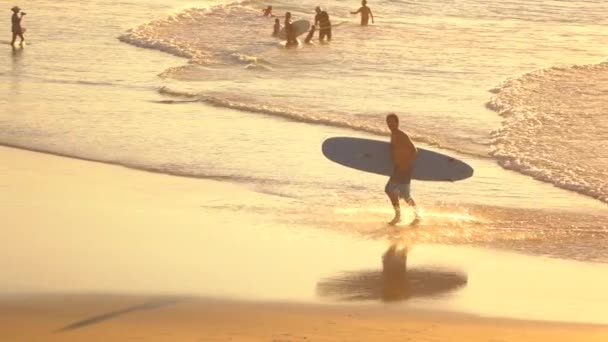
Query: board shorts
pixel 402 190
pixel 325 33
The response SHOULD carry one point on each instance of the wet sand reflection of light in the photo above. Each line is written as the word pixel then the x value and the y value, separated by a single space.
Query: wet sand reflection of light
pixel 394 283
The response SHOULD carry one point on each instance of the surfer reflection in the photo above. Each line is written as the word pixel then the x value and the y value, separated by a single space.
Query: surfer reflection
pixel 394 283
pixel 289 31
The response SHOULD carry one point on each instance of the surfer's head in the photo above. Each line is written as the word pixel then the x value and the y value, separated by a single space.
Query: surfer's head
pixel 287 15
pixel 363 2
pixel 16 9
pixel 318 9
pixel 392 121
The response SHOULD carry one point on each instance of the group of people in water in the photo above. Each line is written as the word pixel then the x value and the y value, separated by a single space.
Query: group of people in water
pixel 322 22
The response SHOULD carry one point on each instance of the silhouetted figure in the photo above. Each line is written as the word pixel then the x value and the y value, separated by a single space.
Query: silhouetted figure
pixel 267 11
pixel 311 34
pixel 403 154
pixel 289 31
pixel 277 27
pixel 16 24
pixel 324 24
pixel 366 13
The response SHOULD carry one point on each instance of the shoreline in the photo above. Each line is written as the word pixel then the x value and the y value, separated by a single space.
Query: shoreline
pixel 119 230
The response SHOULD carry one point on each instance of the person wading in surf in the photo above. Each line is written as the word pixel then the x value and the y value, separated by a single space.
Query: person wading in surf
pixel 403 154
pixel 277 27
pixel 323 23
pixel 289 31
pixel 16 25
pixel 267 12
pixel 366 12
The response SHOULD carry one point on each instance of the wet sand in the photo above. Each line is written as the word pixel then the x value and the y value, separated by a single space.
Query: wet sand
pixel 136 318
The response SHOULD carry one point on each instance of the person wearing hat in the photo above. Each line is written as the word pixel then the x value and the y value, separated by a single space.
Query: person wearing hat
pixel 16 27
pixel 322 21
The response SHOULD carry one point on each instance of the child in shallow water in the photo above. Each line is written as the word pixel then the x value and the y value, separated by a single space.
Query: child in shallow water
pixel 311 34
pixel 277 27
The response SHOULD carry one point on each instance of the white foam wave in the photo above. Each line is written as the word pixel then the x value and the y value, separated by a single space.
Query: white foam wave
pixel 555 127
pixel 370 125
pixel 199 34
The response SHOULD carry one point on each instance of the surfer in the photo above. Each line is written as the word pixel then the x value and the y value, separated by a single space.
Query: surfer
pixel 289 31
pixel 324 24
pixel 366 13
pixel 277 27
pixel 403 154
pixel 16 25
pixel 267 11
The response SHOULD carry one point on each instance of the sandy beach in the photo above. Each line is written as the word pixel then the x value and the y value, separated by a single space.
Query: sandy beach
pixel 52 282
pixel 162 175
pixel 128 318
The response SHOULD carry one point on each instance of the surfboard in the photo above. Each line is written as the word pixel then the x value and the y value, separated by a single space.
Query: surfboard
pixel 299 26
pixel 374 156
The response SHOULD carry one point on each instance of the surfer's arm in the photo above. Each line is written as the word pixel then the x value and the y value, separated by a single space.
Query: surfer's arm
pixel 371 15
pixel 358 11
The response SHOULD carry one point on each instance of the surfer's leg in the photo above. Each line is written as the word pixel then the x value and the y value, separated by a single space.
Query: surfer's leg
pixel 392 191
pixel 329 34
pixel 14 38
pixel 21 36
pixel 410 201
pixel 406 195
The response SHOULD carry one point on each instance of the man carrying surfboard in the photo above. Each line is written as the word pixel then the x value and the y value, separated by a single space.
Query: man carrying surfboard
pixel 403 154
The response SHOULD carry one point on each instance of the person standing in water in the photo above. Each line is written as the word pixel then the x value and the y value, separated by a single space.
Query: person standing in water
pixel 311 34
pixel 16 25
pixel 323 23
pixel 267 12
pixel 277 28
pixel 366 13
pixel 289 31
pixel 403 154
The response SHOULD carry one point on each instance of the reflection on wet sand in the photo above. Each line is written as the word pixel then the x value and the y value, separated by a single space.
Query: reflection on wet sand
pixel 394 283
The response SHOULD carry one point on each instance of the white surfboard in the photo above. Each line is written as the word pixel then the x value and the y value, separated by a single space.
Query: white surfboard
pixel 300 27
pixel 374 156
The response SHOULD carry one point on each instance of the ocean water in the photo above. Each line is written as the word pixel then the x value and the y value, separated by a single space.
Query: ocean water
pixel 202 90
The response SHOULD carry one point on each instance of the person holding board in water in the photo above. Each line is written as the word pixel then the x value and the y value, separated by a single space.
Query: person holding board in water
pixel 366 13
pixel 289 30
pixel 322 21
pixel 403 154
pixel 16 25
